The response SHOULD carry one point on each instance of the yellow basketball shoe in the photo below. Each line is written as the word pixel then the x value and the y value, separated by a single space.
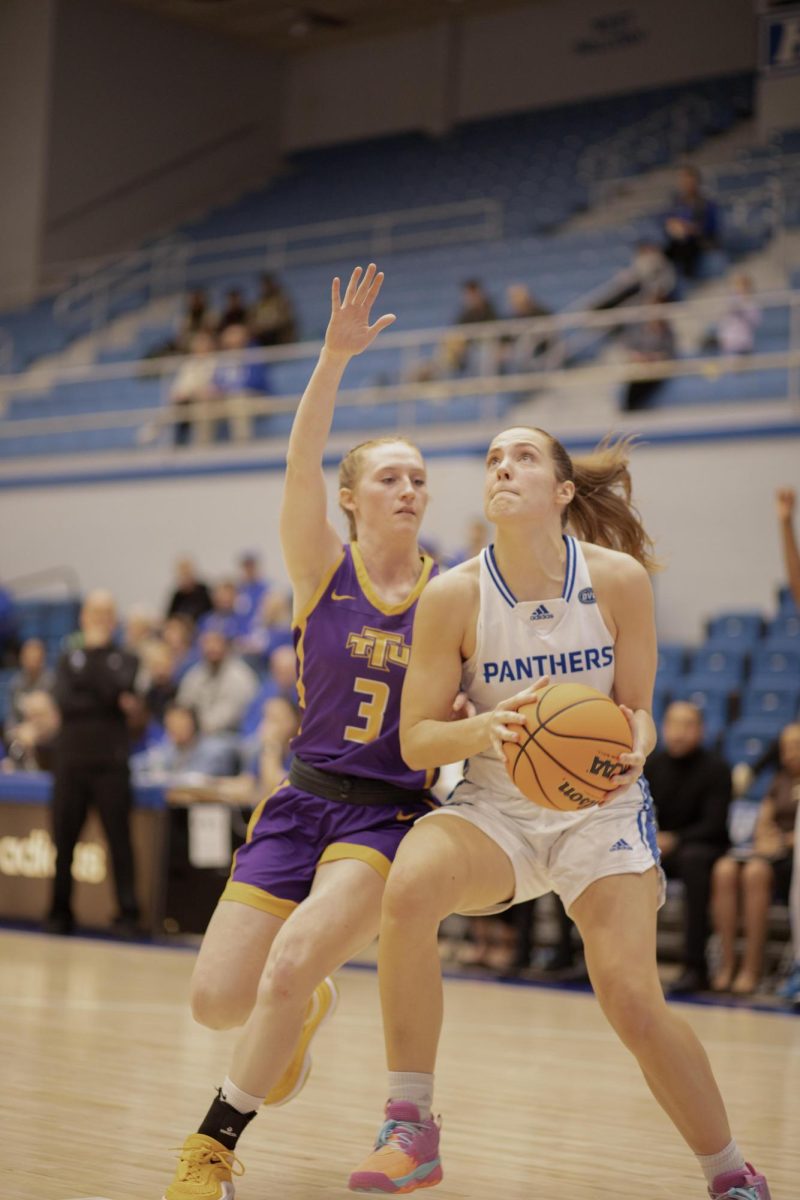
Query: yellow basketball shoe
pixel 321 1006
pixel 205 1171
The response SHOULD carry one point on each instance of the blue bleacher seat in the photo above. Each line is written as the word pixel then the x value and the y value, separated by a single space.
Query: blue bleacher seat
pixel 735 628
pixel 720 660
pixel 786 603
pixel 671 660
pixel 711 697
pixel 784 631
pixel 749 737
pixel 779 700
pixel 775 661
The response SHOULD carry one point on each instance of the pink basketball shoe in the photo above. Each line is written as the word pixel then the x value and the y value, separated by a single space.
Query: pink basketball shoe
pixel 406 1154
pixel 740 1185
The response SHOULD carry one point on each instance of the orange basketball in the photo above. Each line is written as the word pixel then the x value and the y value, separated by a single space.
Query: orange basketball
pixel 569 754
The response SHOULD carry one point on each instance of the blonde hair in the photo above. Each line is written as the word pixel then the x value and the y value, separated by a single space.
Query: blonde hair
pixel 601 510
pixel 352 465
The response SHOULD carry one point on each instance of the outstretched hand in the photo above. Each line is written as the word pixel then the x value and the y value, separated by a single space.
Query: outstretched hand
pixel 785 499
pixel 349 331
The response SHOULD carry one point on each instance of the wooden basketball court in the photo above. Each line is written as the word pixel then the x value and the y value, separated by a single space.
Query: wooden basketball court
pixel 104 1072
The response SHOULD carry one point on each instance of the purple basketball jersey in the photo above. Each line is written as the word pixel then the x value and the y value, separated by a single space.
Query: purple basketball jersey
pixel 352 653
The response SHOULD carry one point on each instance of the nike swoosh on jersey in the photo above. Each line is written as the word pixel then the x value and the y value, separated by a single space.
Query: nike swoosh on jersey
pixel 336 596
pixel 407 816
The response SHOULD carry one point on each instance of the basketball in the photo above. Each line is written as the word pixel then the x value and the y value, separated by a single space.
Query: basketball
pixel 568 758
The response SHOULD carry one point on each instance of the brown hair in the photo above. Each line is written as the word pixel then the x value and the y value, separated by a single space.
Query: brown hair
pixel 601 510
pixel 352 465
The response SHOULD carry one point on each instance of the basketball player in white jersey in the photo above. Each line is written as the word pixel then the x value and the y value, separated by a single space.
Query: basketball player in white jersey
pixel 538 606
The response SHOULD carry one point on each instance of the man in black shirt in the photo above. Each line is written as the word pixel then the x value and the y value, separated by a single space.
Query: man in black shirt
pixel 94 692
pixel 691 790
pixel 191 596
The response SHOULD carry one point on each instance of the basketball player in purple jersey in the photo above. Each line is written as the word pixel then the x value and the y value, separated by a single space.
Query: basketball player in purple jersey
pixel 579 611
pixel 305 889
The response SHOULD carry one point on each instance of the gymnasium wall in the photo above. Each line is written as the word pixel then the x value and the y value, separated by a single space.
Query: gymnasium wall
pixel 555 52
pixel 149 120
pixel 709 506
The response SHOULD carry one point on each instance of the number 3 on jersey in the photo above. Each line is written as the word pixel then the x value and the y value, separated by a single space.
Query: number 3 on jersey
pixel 371 711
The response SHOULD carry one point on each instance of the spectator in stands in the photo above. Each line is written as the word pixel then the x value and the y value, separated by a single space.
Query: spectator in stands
pixel 649 341
pixel 281 680
pixel 650 278
pixel 33 676
pixel 691 225
pixel 30 743
pixel 94 693
pixel 161 686
pixel 270 754
pixel 272 318
pixel 520 352
pixel 220 687
pixel 185 751
pixel 691 789
pixel 476 307
pixel 198 318
pixel 9 643
pixel 752 878
pixel 234 311
pixel 192 384
pixel 735 332
pixel 141 629
pixel 224 616
pixel 272 626
pixel 235 380
pixel 250 591
pixel 191 596
pixel 178 634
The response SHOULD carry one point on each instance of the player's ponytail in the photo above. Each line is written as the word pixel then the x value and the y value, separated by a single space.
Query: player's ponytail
pixel 350 469
pixel 601 510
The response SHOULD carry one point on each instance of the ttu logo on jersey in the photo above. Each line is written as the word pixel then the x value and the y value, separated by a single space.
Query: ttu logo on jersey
pixel 382 649
pixel 542 613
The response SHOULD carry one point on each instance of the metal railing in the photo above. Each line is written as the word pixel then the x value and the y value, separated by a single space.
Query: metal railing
pixel 635 147
pixel 178 263
pixel 516 358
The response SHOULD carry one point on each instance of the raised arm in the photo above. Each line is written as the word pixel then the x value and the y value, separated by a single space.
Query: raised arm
pixel 785 499
pixel 310 543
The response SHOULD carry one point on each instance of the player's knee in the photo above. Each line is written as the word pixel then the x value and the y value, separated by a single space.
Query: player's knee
pixel 219 1007
pixel 634 1009
pixel 290 974
pixel 409 897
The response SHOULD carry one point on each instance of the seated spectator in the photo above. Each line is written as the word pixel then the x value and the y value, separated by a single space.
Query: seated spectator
pixel 192 385
pixel 198 318
pixel 650 341
pixel 749 878
pixel 268 750
pixel 234 311
pixel 519 352
pixel 160 686
pixel 9 643
pixel 476 307
pixel 691 225
pixel 691 789
pixel 220 687
pixel 185 752
pixel 650 278
pixel 31 742
pixel 250 591
pixel 271 628
pixel 178 633
pixel 785 500
pixel 191 596
pixel 790 989
pixel 281 681
pixel 735 332
pixel 235 380
pixel 272 318
pixel 224 616
pixel 33 676
pixel 141 629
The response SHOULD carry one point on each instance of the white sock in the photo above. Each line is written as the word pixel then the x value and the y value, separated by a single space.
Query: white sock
pixel 414 1087
pixel 243 1102
pixel 729 1159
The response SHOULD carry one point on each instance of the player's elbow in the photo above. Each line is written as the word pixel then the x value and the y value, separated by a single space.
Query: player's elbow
pixel 411 749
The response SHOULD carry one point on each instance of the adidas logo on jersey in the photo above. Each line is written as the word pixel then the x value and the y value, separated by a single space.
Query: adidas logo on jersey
pixel 542 613
pixel 620 845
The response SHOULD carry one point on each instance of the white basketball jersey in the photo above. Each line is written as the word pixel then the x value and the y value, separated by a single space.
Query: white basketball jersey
pixel 517 642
